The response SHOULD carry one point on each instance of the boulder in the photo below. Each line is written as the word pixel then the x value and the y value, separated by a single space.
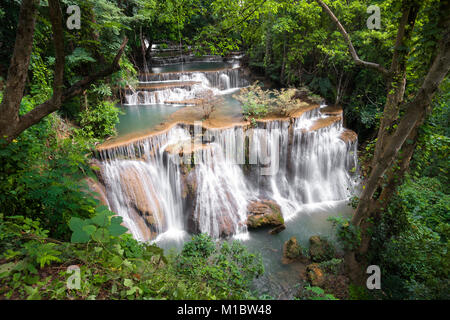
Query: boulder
pixel 265 213
pixel 320 249
pixel 277 230
pixel 292 250
pixel 315 275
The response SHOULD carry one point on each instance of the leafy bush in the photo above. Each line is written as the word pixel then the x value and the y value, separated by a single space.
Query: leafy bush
pixel 257 103
pixel 228 268
pixel 315 293
pixel 348 235
pixel 42 175
pixel 411 242
pixel 115 266
pixel 99 121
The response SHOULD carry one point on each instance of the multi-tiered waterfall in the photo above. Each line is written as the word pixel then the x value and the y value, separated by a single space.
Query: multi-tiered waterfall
pixel 182 87
pixel 195 178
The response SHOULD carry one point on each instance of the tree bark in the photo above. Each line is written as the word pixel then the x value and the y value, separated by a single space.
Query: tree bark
pixel 11 124
pixel 18 68
pixel 391 141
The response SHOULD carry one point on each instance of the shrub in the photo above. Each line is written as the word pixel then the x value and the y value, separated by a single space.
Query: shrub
pixel 227 268
pixel 100 120
pixel 257 103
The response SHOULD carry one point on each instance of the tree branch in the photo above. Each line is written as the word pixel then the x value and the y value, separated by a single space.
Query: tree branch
pixel 352 50
pixel 243 19
pixel 35 115
pixel 416 110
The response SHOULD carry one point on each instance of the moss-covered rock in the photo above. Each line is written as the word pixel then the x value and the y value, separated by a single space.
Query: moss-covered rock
pixel 315 275
pixel 292 250
pixel 320 249
pixel 265 213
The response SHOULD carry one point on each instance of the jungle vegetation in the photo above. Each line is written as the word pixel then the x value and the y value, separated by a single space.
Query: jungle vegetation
pixel 58 93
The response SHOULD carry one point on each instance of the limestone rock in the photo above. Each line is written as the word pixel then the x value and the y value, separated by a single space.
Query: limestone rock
pixel 99 189
pixel 277 230
pixel 320 249
pixel 265 213
pixel 141 196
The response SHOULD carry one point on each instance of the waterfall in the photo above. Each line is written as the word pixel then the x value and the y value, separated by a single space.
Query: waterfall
pixel 296 162
pixel 191 84
pixel 225 83
pixel 162 187
pixel 222 194
pixel 143 185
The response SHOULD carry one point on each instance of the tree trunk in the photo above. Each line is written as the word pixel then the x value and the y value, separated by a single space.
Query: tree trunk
pixel 11 124
pixel 18 68
pixel 390 139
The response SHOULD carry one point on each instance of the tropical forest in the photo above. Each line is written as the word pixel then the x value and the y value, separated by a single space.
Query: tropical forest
pixel 254 150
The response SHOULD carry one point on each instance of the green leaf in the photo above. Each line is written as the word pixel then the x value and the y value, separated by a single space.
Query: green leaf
pixel 116 229
pixel 101 235
pixel 101 219
pixel 128 283
pixel 89 229
pixel 75 224
pixel 80 236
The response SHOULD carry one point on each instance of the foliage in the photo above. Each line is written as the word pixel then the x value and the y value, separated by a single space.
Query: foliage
pixel 258 103
pixel 227 267
pixel 115 266
pixel 42 176
pixel 348 235
pixel 331 266
pixel 99 121
pixel 316 293
pixel 411 239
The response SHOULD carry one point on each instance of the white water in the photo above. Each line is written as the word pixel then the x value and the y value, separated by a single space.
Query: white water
pixel 279 160
pixel 155 172
pixel 216 82
pixel 297 169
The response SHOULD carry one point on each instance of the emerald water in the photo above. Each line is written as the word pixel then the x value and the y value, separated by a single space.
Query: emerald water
pixel 139 118
pixel 192 66
pixel 280 281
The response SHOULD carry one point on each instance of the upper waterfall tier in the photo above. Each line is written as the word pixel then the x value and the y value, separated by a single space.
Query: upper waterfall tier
pixel 196 177
pixel 180 86
pixel 236 75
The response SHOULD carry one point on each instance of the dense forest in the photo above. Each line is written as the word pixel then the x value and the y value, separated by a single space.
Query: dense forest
pixel 64 87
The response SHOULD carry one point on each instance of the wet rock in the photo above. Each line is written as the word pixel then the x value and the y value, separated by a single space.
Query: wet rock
pixel 320 249
pixel 277 230
pixel 265 213
pixel 99 191
pixel 315 275
pixel 142 198
pixel 292 250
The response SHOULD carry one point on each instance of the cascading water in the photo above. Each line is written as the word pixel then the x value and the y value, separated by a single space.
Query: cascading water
pixel 192 84
pixel 291 162
pixel 297 161
pixel 222 194
pixel 144 185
